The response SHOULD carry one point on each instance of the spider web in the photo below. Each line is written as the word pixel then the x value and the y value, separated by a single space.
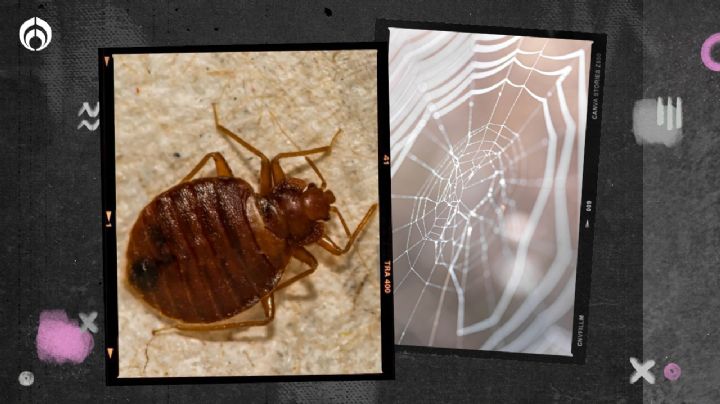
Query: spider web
pixel 487 141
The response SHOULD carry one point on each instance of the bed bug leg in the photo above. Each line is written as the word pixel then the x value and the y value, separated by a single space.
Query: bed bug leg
pixel 266 183
pixel 362 259
pixel 342 220
pixel 279 174
pixel 162 330
pixel 305 257
pixel 221 166
pixel 326 243
pixel 268 304
pixel 311 163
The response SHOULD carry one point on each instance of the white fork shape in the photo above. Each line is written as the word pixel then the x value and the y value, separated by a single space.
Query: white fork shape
pixel 665 113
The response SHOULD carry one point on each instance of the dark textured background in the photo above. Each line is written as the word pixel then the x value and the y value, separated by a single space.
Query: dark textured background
pixel 50 226
pixel 681 207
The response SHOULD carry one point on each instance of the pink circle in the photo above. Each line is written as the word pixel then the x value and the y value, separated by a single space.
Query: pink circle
pixel 705 55
pixel 672 371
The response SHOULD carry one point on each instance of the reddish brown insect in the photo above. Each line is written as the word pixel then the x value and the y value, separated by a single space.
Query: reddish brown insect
pixel 208 249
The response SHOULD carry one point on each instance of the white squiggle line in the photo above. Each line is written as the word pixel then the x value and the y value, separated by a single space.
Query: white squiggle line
pixel 93 112
pixel 91 127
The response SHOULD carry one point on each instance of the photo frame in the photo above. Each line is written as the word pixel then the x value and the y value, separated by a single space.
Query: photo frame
pixel 447 227
pixel 190 95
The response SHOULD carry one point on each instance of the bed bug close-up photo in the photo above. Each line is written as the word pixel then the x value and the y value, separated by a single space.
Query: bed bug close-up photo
pixel 210 248
pixel 246 213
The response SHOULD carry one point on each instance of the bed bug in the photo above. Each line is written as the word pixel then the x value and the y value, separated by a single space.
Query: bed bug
pixel 208 249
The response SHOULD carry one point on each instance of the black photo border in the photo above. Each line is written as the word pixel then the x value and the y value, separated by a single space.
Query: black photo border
pixel 107 145
pixel 596 72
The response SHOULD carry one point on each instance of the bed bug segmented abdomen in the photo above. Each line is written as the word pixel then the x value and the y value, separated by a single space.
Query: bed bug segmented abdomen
pixel 192 254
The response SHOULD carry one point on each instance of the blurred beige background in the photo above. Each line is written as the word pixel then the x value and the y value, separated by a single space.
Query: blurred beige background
pixel 328 323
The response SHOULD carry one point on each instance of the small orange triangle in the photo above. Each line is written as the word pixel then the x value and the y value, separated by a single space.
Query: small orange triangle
pixel 110 351
pixel 107 60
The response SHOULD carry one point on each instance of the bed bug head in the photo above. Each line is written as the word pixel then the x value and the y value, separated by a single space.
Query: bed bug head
pixel 296 209
pixel 316 202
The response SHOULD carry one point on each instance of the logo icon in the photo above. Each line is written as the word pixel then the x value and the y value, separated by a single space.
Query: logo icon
pixel 35 29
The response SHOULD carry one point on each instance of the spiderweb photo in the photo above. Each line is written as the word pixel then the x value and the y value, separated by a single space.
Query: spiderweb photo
pixel 487 144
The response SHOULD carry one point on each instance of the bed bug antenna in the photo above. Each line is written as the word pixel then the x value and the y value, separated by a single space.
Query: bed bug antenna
pixel 276 122
pixel 311 163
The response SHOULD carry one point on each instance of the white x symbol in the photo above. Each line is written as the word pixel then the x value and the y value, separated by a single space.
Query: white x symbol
pixel 642 371
pixel 89 321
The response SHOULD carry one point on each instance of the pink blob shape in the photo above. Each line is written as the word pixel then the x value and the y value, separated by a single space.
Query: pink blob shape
pixel 61 340
pixel 705 55
pixel 672 371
